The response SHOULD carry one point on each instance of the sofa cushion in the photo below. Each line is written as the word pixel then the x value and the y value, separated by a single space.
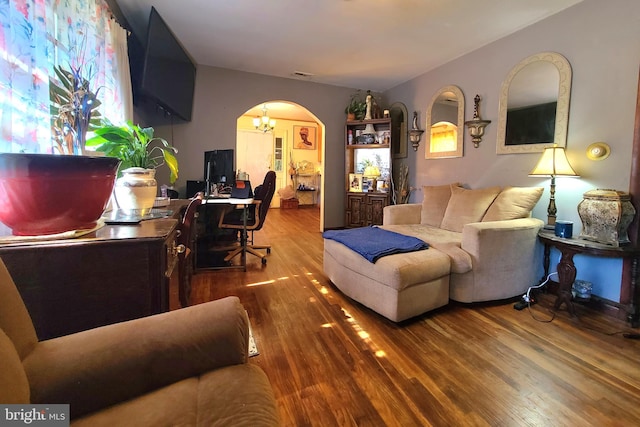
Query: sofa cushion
pixel 467 206
pixel 445 241
pixel 235 395
pixel 513 203
pixel 14 386
pixel 15 320
pixel 434 204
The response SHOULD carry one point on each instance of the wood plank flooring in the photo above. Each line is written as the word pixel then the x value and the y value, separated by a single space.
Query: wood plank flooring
pixel 333 362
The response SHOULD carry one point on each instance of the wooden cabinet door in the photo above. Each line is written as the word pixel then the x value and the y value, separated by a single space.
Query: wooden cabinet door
pixel 375 206
pixel 356 210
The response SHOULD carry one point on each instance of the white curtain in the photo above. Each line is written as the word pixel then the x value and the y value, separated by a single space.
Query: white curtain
pixel 36 36
pixel 123 88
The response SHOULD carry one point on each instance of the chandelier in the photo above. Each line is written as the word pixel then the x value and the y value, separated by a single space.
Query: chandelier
pixel 264 123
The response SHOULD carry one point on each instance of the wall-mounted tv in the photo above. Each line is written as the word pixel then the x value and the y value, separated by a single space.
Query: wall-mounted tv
pixel 168 73
pixel 534 124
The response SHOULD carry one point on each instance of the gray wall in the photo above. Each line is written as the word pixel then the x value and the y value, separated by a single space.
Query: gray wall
pixel 601 40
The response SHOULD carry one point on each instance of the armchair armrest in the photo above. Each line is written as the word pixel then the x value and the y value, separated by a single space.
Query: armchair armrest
pixel 503 254
pixel 409 213
pixel 500 233
pixel 99 367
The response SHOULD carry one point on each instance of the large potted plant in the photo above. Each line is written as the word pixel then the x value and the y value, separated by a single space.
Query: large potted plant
pixel 56 193
pixel 140 154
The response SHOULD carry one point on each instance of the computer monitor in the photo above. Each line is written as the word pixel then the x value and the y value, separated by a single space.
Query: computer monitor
pixel 218 167
pixel 194 187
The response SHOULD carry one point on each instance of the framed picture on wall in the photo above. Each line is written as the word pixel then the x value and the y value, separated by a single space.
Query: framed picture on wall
pixel 305 137
pixel 355 182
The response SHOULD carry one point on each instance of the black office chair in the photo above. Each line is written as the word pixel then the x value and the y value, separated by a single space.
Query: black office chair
pixel 186 259
pixel 256 216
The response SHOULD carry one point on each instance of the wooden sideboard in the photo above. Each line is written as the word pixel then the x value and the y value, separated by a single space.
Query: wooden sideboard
pixel 117 273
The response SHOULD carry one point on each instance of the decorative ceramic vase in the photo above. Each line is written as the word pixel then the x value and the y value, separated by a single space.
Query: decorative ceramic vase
pixel 136 190
pixel 606 216
pixel 49 194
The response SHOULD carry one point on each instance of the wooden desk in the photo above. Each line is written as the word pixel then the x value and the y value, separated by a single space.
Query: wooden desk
pixel 229 201
pixel 117 273
pixel 567 270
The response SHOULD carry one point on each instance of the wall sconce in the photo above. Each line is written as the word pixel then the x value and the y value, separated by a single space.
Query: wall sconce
pixel 477 125
pixel 553 163
pixel 415 133
pixel 598 151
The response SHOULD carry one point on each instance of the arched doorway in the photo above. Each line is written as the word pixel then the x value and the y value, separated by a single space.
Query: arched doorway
pixel 282 148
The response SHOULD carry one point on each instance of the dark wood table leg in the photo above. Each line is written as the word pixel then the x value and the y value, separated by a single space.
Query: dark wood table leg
pixel 634 315
pixel 545 261
pixel 566 276
pixel 243 255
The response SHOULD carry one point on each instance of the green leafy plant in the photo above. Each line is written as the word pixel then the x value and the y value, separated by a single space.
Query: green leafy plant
pixel 73 108
pixel 357 105
pixel 135 147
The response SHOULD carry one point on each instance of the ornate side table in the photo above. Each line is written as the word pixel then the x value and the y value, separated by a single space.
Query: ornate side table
pixel 567 269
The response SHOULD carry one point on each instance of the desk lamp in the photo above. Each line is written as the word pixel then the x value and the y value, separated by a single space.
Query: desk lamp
pixel 553 163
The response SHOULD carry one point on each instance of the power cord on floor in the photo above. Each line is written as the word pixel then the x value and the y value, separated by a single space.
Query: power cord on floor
pixel 527 300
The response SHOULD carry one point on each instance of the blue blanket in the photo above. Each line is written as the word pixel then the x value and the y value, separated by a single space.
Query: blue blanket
pixel 373 242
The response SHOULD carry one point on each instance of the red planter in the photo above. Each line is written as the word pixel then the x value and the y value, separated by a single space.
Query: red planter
pixel 48 194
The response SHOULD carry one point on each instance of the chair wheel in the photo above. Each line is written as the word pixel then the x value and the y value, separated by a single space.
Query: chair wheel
pixel 268 251
pixel 264 260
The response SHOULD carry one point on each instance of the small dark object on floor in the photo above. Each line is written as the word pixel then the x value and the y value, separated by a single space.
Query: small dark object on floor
pixel 522 304
pixel 632 336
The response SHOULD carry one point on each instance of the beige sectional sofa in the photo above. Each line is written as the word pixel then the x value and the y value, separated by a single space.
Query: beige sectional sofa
pixel 482 248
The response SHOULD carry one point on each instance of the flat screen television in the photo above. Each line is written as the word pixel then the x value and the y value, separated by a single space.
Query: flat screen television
pixel 535 124
pixel 168 74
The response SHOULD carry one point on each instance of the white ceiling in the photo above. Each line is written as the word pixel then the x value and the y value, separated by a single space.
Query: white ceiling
pixel 366 44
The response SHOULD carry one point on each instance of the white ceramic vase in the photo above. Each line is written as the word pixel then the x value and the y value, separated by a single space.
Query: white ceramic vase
pixel 135 192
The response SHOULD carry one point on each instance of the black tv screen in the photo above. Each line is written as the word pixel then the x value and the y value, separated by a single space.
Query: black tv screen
pixel 168 73
pixel 218 166
pixel 535 124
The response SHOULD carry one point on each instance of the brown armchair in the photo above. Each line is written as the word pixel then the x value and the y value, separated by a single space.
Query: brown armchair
pixel 185 367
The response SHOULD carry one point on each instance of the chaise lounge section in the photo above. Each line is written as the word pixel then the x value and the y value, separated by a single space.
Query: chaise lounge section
pixel 482 248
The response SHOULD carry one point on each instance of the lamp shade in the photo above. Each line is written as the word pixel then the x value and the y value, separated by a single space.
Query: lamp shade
pixel 553 162
pixel 371 172
pixel 369 129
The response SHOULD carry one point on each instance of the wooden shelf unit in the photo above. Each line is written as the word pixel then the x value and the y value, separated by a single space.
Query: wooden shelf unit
pixel 365 208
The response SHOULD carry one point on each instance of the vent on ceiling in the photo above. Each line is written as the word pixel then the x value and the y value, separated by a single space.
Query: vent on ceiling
pixel 301 74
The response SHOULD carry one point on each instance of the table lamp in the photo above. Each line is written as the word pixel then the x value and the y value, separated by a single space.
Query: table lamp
pixel 371 172
pixel 553 163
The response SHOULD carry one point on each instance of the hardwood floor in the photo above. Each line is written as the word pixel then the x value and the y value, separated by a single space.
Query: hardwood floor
pixel 333 362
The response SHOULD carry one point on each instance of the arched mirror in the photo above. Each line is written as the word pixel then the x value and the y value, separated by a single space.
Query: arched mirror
pixel 399 117
pixel 445 124
pixel 534 105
